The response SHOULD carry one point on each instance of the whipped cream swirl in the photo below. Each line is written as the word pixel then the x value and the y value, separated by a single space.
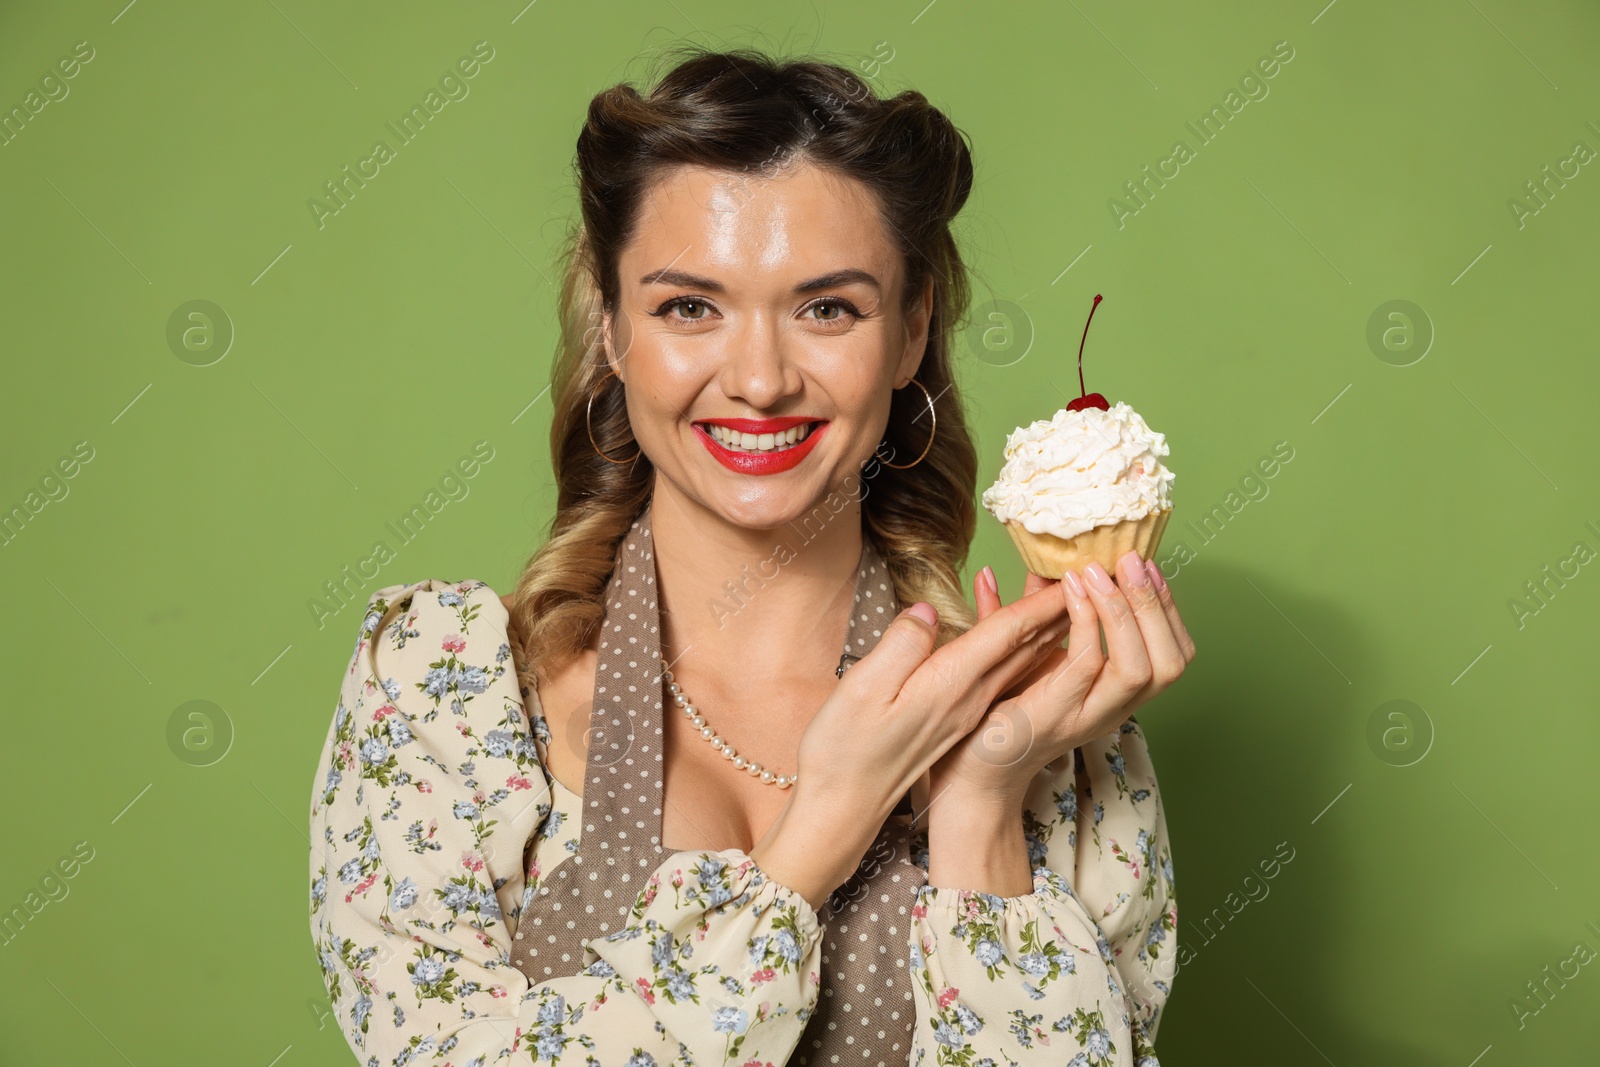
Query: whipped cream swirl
pixel 1081 469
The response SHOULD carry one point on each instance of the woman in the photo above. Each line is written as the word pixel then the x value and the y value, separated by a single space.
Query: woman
pixel 698 791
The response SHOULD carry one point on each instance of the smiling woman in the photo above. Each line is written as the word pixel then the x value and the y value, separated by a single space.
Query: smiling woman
pixel 589 819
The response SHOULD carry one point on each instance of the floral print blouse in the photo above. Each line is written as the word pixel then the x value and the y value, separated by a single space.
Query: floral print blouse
pixel 434 821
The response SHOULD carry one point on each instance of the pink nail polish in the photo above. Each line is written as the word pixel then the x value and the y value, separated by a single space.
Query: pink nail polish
pixel 989 579
pixel 1156 576
pixel 1137 576
pixel 1074 583
pixel 1102 581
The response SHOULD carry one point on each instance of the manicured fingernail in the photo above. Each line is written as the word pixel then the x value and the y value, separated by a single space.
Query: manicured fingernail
pixel 1102 581
pixel 1156 577
pixel 988 579
pixel 924 611
pixel 1133 571
pixel 1074 583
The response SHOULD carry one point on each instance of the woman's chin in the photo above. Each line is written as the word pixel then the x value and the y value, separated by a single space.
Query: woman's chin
pixel 768 509
pixel 794 499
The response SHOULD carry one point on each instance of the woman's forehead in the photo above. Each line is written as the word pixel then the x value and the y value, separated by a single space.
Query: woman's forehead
pixel 776 226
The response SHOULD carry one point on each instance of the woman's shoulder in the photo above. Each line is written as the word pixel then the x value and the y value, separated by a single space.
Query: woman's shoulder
pixel 464 599
pixel 434 624
pixel 432 701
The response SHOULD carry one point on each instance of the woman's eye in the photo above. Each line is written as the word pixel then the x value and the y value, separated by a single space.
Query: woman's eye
pixel 687 307
pixel 832 310
pixel 694 310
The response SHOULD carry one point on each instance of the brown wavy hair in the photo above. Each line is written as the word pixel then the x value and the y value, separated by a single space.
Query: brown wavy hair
pixel 746 112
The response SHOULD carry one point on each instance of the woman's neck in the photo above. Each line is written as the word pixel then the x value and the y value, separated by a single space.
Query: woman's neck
pixel 730 595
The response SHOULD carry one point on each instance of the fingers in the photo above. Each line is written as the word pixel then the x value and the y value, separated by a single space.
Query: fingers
pixel 1012 673
pixel 904 647
pixel 986 592
pixel 1003 643
pixel 1168 605
pixel 1007 628
pixel 1033 583
pixel 1128 669
pixel 1161 645
pixel 1052 697
pixel 1084 657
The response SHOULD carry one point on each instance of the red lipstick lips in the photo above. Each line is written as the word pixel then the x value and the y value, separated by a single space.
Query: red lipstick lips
pixel 761 462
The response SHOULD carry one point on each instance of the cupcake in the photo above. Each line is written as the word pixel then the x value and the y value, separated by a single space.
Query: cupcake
pixel 1086 485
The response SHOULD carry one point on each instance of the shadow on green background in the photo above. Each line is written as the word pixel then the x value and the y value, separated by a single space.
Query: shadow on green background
pixel 212 496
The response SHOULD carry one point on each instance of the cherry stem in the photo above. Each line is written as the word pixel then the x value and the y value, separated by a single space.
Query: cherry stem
pixel 1082 390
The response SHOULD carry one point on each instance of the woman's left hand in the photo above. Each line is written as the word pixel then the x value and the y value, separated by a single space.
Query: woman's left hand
pixel 1076 694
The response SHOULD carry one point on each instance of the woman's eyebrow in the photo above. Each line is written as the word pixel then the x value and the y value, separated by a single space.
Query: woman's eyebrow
pixel 838 278
pixel 688 280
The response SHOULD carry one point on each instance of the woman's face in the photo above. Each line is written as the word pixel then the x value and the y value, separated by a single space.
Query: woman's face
pixel 770 306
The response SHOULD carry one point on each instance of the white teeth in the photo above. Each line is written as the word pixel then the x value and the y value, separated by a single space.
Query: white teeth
pixel 766 442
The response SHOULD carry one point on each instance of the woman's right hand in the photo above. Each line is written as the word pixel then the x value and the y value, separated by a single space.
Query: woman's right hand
pixel 892 715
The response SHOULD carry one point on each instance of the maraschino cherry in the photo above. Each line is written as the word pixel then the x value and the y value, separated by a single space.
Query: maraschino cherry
pixel 1087 400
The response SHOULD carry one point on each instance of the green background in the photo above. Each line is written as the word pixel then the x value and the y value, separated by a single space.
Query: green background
pixel 371 353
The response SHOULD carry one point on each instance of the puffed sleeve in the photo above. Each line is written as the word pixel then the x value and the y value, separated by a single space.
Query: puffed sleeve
pixel 1024 980
pixel 1089 954
pixel 428 791
pixel 1108 833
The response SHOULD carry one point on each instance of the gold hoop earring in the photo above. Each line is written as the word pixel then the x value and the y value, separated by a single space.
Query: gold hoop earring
pixel 589 425
pixel 932 432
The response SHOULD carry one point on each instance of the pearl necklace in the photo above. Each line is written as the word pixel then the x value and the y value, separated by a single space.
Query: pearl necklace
pixel 782 781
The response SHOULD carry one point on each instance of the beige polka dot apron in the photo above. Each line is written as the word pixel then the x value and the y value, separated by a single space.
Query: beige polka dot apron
pixel 864 1013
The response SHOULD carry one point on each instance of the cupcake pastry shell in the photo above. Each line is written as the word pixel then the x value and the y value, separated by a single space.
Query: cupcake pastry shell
pixel 1050 556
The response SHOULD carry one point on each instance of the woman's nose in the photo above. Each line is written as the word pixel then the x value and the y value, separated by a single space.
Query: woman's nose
pixel 758 367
